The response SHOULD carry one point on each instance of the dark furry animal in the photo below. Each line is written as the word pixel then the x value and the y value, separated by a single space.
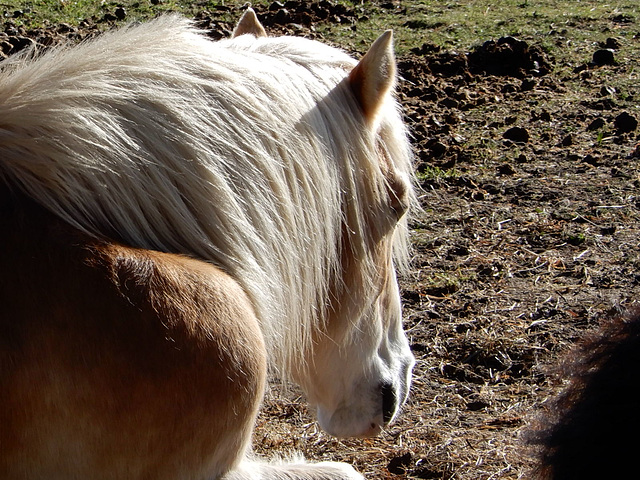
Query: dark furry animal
pixel 591 428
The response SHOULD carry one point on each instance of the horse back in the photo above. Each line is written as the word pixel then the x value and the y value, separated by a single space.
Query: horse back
pixel 113 359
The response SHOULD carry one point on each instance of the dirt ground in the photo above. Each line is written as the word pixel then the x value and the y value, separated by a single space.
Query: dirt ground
pixel 528 235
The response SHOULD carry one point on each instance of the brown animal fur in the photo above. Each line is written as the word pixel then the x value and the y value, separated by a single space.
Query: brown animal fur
pixel 589 430
pixel 117 362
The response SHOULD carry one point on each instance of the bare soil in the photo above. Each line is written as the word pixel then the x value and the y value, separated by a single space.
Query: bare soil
pixel 528 236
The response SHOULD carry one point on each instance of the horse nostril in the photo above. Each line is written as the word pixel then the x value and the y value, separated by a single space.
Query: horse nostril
pixel 389 402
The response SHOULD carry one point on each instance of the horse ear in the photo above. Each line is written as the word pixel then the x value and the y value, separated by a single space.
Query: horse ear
pixel 374 76
pixel 249 24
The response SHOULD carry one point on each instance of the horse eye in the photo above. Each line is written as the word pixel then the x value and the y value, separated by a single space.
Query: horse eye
pixel 397 186
pixel 398 195
pixel 400 208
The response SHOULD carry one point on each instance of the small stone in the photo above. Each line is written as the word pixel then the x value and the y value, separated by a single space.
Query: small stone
pixel 517 134
pixel 625 123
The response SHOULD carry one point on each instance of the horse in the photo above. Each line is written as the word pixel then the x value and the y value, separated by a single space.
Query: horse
pixel 180 218
pixel 586 431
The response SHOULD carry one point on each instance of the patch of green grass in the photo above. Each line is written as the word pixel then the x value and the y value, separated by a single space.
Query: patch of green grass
pixel 429 172
pixel 558 26
pixel 440 284
pixel 37 13
pixel 563 28
pixel 575 239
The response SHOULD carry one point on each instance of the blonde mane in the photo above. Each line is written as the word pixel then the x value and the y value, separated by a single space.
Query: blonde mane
pixel 157 137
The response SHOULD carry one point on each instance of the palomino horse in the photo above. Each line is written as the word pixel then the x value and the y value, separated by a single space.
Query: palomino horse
pixel 178 215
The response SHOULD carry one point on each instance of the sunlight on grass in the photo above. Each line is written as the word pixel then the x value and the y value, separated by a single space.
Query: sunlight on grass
pixel 451 25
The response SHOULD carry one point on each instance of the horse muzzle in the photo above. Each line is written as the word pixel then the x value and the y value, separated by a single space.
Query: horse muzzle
pixel 367 416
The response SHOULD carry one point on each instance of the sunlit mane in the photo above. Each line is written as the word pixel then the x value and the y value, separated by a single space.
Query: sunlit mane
pixel 132 138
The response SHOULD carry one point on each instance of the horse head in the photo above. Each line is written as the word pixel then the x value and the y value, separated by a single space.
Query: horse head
pixel 359 373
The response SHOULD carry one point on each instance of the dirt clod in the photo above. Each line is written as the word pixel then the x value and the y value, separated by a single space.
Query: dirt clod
pixel 517 134
pixel 509 56
pixel 596 124
pixel 604 56
pixel 120 13
pixel 625 123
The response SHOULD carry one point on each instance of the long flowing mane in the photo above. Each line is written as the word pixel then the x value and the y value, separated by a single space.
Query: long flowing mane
pixel 162 139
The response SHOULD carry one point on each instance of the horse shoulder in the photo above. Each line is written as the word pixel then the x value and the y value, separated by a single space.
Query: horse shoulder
pixel 111 356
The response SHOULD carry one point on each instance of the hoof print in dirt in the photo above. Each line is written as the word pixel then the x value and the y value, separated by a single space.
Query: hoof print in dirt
pixel 306 14
pixel 426 49
pixel 506 169
pixel 400 464
pixel 448 64
pixel 14 44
